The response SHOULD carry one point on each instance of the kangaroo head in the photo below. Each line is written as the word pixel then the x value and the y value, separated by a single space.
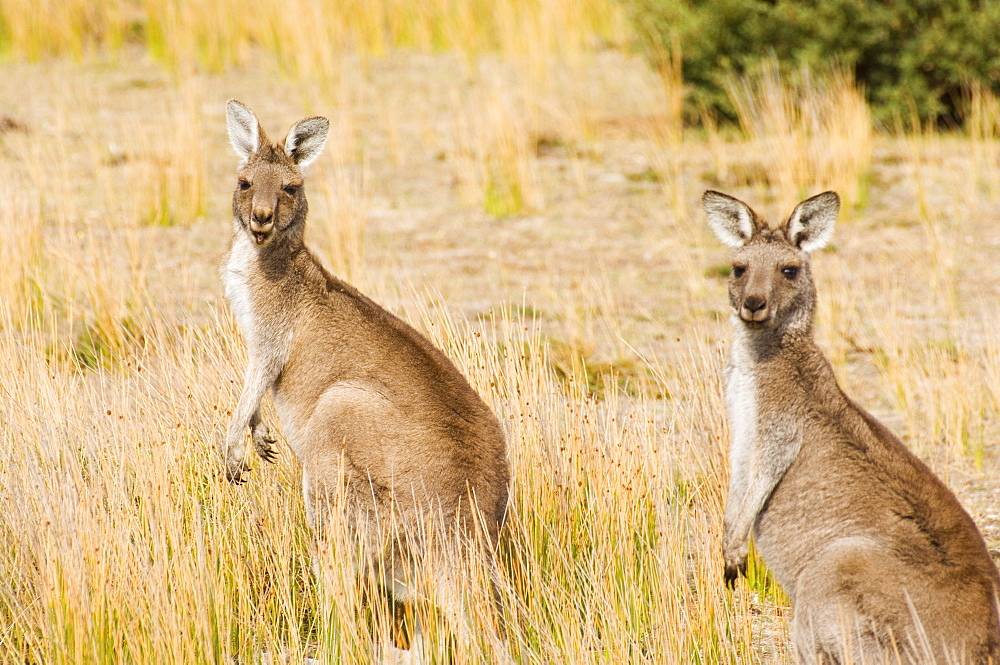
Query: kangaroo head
pixel 770 285
pixel 269 201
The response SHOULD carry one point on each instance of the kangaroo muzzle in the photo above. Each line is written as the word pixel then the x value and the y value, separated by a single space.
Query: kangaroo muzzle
pixel 261 225
pixel 754 309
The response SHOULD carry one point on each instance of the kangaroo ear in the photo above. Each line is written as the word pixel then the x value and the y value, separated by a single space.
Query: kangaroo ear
pixel 732 220
pixel 811 224
pixel 244 130
pixel 306 139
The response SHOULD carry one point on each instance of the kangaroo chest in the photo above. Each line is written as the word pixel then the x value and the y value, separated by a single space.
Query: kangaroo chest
pixel 236 274
pixel 261 309
pixel 765 406
pixel 742 403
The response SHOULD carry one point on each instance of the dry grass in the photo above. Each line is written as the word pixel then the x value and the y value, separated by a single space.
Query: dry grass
pixel 984 130
pixel 811 134
pixel 585 313
pixel 307 36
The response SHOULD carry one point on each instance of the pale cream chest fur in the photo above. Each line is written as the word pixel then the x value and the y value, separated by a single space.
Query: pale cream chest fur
pixel 235 277
pixel 741 401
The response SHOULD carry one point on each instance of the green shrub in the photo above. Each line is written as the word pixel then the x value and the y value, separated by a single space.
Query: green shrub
pixel 914 58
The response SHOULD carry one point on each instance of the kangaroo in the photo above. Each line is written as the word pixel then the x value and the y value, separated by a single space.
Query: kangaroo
pixel 879 559
pixel 385 426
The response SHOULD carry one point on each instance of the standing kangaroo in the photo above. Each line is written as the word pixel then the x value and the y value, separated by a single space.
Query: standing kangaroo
pixel 386 428
pixel 880 561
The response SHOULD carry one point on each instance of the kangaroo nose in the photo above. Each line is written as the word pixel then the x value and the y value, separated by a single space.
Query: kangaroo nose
pixel 754 309
pixel 754 304
pixel 263 217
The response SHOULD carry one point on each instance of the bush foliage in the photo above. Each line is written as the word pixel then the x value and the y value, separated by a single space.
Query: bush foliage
pixel 914 58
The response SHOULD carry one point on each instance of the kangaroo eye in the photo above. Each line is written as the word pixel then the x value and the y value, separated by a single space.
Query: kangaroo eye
pixel 291 189
pixel 244 184
pixel 791 272
pixel 738 271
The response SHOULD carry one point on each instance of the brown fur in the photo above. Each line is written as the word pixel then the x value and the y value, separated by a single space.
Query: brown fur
pixel 378 417
pixel 880 560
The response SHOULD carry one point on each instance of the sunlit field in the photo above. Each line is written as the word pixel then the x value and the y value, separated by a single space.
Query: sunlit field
pixel 520 188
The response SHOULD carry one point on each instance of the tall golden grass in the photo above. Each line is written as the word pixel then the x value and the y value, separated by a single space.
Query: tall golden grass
pixel 306 35
pixel 591 317
pixel 810 134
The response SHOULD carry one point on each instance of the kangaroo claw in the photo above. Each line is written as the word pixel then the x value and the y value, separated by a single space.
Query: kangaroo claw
pixel 234 472
pixel 262 443
pixel 734 571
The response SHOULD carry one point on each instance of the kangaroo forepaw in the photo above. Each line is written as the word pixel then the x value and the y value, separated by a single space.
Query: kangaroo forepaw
pixel 262 444
pixel 235 470
pixel 734 570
